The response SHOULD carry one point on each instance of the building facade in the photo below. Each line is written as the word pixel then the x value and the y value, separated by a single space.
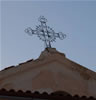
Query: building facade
pixel 51 72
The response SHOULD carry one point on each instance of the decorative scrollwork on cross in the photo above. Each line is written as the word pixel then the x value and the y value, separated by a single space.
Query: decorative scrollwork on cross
pixel 45 33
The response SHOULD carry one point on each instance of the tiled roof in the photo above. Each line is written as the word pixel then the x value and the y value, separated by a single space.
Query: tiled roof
pixel 59 95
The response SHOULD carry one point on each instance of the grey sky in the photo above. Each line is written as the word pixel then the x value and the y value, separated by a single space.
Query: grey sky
pixel 76 19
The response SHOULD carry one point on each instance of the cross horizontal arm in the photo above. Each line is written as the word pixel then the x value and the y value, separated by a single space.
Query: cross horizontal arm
pixel 60 35
pixel 30 31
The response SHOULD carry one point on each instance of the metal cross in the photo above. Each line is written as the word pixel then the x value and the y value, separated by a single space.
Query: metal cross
pixel 45 33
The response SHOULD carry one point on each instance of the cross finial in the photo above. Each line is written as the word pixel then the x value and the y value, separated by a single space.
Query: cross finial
pixel 45 33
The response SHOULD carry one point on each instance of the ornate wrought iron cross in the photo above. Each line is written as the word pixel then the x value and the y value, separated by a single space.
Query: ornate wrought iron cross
pixel 45 33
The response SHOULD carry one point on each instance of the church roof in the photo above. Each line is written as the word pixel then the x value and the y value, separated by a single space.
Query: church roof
pixel 47 56
pixel 52 71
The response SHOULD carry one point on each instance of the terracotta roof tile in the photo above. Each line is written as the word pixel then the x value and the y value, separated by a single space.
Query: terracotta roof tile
pixel 8 68
pixel 59 95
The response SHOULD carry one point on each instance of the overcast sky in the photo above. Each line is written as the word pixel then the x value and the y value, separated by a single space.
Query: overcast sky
pixel 76 19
